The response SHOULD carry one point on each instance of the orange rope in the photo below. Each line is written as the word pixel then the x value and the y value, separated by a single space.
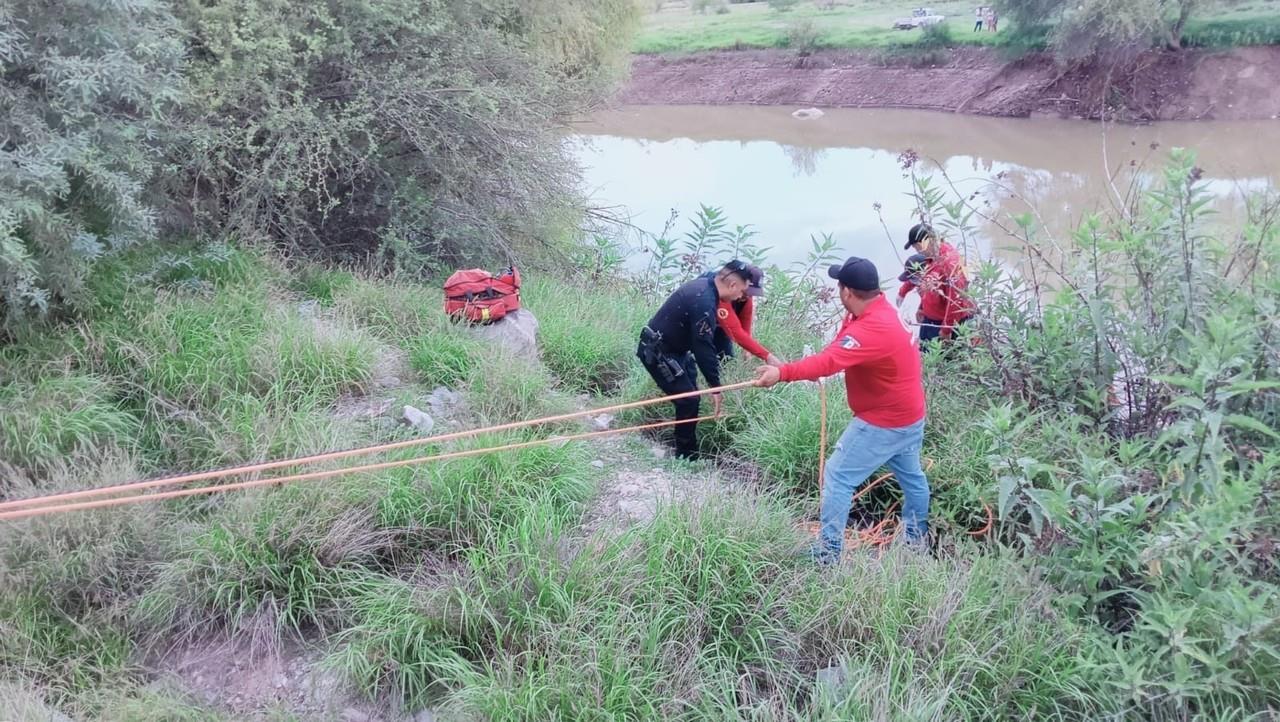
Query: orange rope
pixel 137 498
pixel 875 535
pixel 361 451
pixel 985 527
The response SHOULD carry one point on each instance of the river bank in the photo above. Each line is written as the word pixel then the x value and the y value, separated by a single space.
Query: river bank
pixel 1236 84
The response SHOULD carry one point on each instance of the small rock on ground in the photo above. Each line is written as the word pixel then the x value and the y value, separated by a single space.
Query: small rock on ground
pixel 418 419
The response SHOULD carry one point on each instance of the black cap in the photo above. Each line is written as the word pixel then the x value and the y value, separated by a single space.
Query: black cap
pixel 856 273
pixel 914 266
pixel 918 233
pixel 756 277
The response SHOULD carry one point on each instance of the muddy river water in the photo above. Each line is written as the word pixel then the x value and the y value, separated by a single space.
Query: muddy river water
pixel 793 178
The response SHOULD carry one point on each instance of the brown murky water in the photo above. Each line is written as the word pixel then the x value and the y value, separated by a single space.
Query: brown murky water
pixel 792 178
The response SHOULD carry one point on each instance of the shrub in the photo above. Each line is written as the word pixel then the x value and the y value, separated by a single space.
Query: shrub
pixel 802 35
pixel 405 157
pixel 85 90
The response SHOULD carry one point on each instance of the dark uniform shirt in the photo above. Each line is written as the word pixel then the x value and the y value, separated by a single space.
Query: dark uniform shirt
pixel 687 323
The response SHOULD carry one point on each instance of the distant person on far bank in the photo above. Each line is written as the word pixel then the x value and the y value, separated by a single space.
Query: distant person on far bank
pixel 979 14
pixel 680 340
pixel 885 392
pixel 944 299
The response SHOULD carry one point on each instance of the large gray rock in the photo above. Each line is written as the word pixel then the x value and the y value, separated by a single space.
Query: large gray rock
pixel 517 332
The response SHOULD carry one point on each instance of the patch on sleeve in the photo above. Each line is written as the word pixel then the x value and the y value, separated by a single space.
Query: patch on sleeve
pixel 722 313
pixel 849 342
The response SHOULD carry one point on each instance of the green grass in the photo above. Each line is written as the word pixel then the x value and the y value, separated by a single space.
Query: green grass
pixel 471 585
pixel 59 418
pixel 587 335
pixel 68 654
pixel 1260 25
pixel 868 26
pixel 445 357
pixel 754 25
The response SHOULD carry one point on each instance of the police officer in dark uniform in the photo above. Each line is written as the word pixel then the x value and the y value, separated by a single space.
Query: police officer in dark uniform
pixel 681 339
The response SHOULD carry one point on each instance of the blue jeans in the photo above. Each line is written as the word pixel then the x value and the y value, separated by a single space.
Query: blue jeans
pixel 861 450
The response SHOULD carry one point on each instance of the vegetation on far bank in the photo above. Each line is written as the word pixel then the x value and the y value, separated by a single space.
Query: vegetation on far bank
pixel 806 26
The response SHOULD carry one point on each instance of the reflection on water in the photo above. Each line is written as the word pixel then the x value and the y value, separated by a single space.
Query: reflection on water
pixel 793 178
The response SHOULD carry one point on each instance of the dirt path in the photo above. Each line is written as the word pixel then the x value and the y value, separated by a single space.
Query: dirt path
pixel 1238 84
pixel 638 480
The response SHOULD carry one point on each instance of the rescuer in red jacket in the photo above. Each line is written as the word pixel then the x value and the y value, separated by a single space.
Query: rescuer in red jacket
pixel 734 321
pixel 882 382
pixel 943 286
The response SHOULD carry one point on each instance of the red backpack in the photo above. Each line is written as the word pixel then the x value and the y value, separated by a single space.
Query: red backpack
pixel 481 297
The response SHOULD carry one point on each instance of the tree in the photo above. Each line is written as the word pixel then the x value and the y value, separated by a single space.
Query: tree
pixel 411 128
pixel 1176 14
pixel 1080 29
pixel 84 90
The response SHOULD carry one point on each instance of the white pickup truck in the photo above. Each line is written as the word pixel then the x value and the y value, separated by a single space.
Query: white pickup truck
pixel 920 17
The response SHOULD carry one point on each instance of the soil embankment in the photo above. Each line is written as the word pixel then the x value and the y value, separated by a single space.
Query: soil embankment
pixel 1238 84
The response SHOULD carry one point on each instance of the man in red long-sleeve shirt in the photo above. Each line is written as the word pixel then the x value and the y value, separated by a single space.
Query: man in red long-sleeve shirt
pixel 884 389
pixel 944 298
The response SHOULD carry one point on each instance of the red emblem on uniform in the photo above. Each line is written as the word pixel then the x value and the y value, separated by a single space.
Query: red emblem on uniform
pixel 722 313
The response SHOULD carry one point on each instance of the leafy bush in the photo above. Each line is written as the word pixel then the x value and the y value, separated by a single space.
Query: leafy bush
pixel 802 35
pixel 84 91
pixel 308 133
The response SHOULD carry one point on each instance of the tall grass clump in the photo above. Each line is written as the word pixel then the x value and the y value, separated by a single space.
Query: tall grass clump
pixel 67 582
pixel 505 388
pixel 587 336
pixel 707 614
pixel 395 310
pixel 225 373
pixel 57 417
pixel 455 504
pixel 446 357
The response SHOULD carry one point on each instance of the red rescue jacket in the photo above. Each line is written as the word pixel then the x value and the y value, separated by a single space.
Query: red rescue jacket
pixel 737 324
pixel 881 366
pixel 943 290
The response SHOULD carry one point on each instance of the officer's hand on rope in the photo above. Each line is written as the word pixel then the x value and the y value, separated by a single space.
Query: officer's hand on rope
pixel 767 376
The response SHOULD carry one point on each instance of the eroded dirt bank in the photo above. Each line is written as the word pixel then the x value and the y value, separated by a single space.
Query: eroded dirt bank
pixel 1239 84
